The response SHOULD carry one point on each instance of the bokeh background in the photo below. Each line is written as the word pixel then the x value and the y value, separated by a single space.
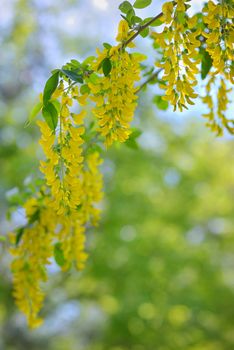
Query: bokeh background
pixel 161 268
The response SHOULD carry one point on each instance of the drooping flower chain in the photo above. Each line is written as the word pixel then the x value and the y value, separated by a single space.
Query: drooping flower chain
pixel 220 36
pixel 180 54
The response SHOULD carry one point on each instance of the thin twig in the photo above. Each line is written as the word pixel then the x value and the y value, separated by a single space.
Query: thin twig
pixel 141 28
pixel 152 77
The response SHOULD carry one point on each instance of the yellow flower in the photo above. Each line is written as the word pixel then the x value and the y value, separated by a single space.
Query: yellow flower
pixel 123 33
pixel 216 119
pixel 180 55
pixel 64 154
pixel 115 96
pixel 220 36
pixel 31 256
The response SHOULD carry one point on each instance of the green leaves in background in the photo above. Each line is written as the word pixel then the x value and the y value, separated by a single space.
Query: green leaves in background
pixel 58 254
pixel 50 115
pixel 50 87
pixel 206 63
pixel 132 140
pixel 140 4
pixel 160 103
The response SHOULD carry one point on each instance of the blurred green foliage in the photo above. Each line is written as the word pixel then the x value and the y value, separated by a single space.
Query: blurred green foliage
pixel 160 272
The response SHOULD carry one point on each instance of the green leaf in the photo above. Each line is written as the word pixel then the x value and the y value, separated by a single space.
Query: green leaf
pixel 130 17
pixel 50 86
pixel 58 254
pixel 135 133
pixel 2 238
pixel 107 46
pixel 156 23
pixel 160 103
pixel 88 60
pixel 19 235
pixel 79 207
pixel 136 20
pixel 131 141
pixel 36 109
pixel 50 115
pixel 125 6
pixel 94 78
pixel 206 63
pixel 181 17
pixel 34 217
pixel 140 4
pixel 73 75
pixel 75 63
pixel 144 32
pixel 57 105
pixel 106 66
pixel 84 89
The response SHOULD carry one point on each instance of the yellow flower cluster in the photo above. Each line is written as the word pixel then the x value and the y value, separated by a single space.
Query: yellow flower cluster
pixel 180 54
pixel 72 233
pixel 220 36
pixel 217 120
pixel 32 254
pixel 124 33
pixel 64 155
pixel 115 96
pixel 45 227
pixel 91 189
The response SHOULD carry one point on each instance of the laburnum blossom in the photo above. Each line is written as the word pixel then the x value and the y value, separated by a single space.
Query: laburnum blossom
pixel 115 94
pixel 63 155
pixel 92 183
pixel 115 97
pixel 31 255
pixel 180 54
pixel 73 226
pixel 219 36
pixel 45 230
pixel 216 119
pixel 124 33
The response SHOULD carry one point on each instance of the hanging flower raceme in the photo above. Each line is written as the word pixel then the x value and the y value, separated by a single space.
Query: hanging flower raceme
pixel 32 252
pixel 180 54
pixel 217 121
pixel 115 93
pixel 49 234
pixel 73 226
pixel 219 36
pixel 92 184
pixel 64 154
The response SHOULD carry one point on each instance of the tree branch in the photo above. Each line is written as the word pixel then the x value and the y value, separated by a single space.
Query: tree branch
pixel 140 29
pixel 151 77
